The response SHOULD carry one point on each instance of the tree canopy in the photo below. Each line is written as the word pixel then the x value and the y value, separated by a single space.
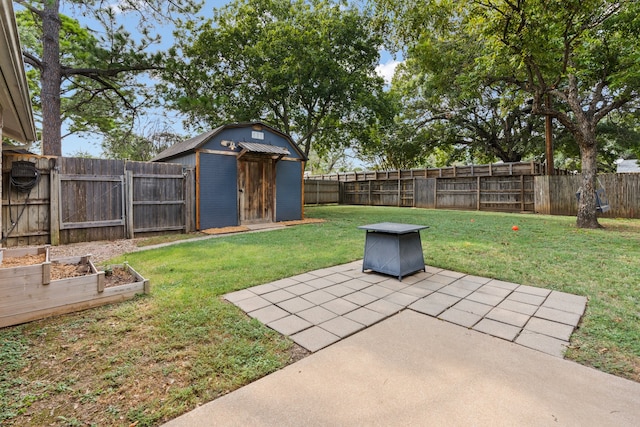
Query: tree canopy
pixel 576 60
pixel 305 66
pixel 88 77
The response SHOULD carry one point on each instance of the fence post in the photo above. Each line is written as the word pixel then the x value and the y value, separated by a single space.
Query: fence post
pixel 478 195
pixel 189 200
pixel 522 193
pixel 128 180
pixel 54 206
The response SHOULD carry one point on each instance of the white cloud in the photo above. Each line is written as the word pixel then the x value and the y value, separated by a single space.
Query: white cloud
pixel 387 70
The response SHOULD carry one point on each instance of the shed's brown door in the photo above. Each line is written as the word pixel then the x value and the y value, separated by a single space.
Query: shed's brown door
pixel 256 190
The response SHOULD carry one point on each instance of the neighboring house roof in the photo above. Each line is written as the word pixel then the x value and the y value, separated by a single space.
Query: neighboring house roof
pixel 628 166
pixel 15 103
pixel 194 143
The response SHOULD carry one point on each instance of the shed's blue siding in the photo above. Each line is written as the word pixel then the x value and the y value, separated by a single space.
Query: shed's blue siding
pixel 218 191
pixel 288 190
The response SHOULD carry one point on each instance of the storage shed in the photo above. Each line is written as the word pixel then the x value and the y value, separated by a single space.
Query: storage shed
pixel 246 173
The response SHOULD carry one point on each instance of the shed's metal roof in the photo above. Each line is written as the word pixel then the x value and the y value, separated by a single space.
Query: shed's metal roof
pixel 15 102
pixel 254 147
pixel 194 143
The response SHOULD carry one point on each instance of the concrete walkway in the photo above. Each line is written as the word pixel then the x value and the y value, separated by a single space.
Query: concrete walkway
pixel 321 307
pixel 413 369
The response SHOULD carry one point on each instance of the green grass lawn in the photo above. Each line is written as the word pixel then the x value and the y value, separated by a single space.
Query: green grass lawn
pixel 153 358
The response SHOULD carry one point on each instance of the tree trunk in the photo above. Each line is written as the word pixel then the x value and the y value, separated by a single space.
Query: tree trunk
pixel 51 79
pixel 587 217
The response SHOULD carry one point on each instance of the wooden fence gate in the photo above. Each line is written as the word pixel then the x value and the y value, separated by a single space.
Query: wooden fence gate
pixel 78 200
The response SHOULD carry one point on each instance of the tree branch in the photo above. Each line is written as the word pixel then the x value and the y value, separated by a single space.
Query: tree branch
pixel 32 60
pixel 29 7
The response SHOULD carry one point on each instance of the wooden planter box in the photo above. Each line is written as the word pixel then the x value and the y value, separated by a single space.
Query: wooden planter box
pixel 27 292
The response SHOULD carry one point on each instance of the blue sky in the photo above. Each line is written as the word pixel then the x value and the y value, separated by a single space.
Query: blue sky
pixel 86 143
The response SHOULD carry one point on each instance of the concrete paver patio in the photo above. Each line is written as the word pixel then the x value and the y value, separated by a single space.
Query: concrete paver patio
pixel 321 307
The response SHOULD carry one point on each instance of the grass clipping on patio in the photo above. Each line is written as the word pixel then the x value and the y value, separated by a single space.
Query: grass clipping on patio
pixel 158 356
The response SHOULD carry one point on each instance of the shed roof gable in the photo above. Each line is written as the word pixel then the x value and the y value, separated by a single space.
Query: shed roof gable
pixel 191 145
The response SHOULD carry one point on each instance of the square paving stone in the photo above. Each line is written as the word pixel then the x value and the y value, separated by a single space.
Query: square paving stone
pixel 365 316
pixel 314 338
pixel 415 278
pixel 278 296
pixel 497 329
pixel 354 274
pixel 493 290
pixel 374 278
pixel 566 302
pixel 263 289
pixel 360 298
pixel 502 284
pixel 459 317
pixel 401 298
pixel 300 289
pixel 434 304
pixel 283 283
pixel 533 290
pixel 476 308
pixel 319 283
pixel 428 285
pixel 416 291
pixel 464 283
pixel 526 298
pixel 341 326
pixel 518 307
pixel 268 314
pixel 440 278
pixel 338 290
pixel 356 284
pixel 322 272
pixel 393 284
pixel 337 278
pixel 295 305
pixel 476 279
pixel 377 291
pixel 289 325
pixel 318 297
pixel 543 343
pixel 507 316
pixel 340 306
pixel 547 327
pixel 455 291
pixel 385 307
pixel 453 274
pixel 239 295
pixel 557 316
pixel 485 298
pixel 316 315
pixel 253 303
pixel 304 277
pixel 433 270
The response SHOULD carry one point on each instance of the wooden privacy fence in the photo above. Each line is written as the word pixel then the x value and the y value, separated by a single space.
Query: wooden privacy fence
pixel 552 195
pixel 556 195
pixel 491 193
pixel 78 200
pixel 497 169
pixel 321 192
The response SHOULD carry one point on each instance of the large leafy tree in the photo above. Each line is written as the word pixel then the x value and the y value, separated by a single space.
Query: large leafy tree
pixel 87 78
pixel 577 59
pixel 306 66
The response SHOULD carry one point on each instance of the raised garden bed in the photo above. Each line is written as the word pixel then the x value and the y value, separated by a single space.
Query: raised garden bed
pixel 32 286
